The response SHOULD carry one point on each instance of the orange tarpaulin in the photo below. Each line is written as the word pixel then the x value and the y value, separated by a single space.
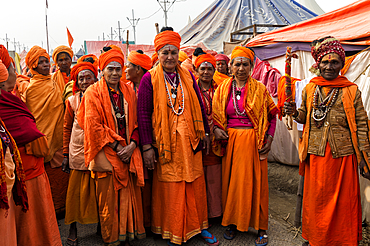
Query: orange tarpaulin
pixel 350 25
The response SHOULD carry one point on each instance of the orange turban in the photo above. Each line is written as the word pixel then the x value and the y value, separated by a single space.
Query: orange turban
pixel 182 56
pixel 61 49
pixel 5 57
pixel 109 56
pixel 32 57
pixel 3 72
pixel 167 37
pixel 115 47
pixel 205 58
pixel 154 58
pixel 141 60
pixel 82 58
pixel 241 51
pixel 80 66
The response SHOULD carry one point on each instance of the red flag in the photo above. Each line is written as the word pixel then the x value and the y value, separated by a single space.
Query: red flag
pixel 70 38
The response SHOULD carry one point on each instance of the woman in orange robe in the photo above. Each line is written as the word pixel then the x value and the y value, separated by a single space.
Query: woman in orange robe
pixel 244 116
pixel 62 57
pixel 107 114
pixel 81 204
pixel 334 143
pixel 43 98
pixel 205 65
pixel 172 120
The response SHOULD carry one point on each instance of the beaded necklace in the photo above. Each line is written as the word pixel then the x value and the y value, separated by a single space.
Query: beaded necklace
pixel 236 104
pixel 120 114
pixel 321 109
pixel 207 97
pixel 173 85
pixel 182 103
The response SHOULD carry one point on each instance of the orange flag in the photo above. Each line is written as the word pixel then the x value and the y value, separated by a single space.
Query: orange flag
pixel 70 38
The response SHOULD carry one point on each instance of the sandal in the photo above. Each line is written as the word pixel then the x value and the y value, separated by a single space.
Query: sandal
pixel 230 233
pixel 71 242
pixel 259 239
pixel 209 238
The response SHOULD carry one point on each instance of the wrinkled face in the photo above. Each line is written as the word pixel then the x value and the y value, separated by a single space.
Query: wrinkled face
pixel 43 66
pixel 64 62
pixel 205 72
pixel 85 78
pixel 241 68
pixel 168 57
pixel 10 82
pixel 221 67
pixel 132 71
pixel 112 73
pixel 330 66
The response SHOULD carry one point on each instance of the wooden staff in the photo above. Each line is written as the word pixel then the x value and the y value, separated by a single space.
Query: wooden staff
pixel 157 27
pixel 288 83
pixel 127 45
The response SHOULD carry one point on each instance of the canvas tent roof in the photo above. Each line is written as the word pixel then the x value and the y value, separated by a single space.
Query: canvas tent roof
pixel 214 25
pixel 350 24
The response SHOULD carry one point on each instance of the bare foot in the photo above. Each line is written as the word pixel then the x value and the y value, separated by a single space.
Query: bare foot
pixel 264 239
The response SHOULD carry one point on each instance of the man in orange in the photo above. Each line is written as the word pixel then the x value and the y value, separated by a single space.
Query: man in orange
pixel 43 98
pixel 138 64
pixel 62 57
pixel 334 147
pixel 172 120
pixel 107 114
pixel 222 68
pixel 39 225
pixel 9 64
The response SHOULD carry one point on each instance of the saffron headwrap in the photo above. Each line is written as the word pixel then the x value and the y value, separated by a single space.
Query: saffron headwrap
pixel 82 58
pixel 141 60
pixel 5 57
pixel 322 47
pixel 182 56
pixel 167 37
pixel 60 49
pixel 241 51
pixel 78 68
pixel 109 56
pixel 154 58
pixel 222 57
pixel 32 57
pixel 3 72
pixel 205 58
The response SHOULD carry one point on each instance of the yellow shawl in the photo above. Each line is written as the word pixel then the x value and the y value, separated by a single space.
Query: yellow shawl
pixel 160 113
pixel 258 105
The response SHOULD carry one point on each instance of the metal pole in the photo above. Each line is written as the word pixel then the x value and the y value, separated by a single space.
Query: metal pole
pixel 103 37
pixel 47 32
pixel 119 32
pixel 15 48
pixel 111 33
pixel 7 44
pixel 165 13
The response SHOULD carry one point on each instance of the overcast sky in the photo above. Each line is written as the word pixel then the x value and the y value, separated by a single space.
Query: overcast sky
pixel 24 20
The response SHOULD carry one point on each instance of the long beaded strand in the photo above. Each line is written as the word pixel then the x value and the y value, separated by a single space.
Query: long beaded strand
pixel 182 104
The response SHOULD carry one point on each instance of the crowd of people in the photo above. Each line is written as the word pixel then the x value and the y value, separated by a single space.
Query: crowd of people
pixel 170 144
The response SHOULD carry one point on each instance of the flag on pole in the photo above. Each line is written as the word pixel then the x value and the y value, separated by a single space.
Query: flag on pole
pixel 70 38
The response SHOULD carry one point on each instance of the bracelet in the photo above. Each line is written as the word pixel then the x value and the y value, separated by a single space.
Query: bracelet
pixel 115 146
pixel 151 147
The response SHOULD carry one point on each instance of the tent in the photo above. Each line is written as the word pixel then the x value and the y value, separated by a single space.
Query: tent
pixel 214 25
pixel 271 47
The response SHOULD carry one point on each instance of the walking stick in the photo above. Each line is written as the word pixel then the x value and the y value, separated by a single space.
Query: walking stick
pixel 156 27
pixel 127 43
pixel 288 83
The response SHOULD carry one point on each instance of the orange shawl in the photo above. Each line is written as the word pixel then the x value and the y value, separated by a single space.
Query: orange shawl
pixel 61 78
pixel 258 105
pixel 160 113
pixel 281 93
pixel 44 99
pixel 21 85
pixel 96 118
pixel 219 77
pixel 348 97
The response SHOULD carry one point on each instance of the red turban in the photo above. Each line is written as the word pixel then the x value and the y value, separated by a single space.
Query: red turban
pixel 326 46
pixel 82 58
pixel 141 60
pixel 241 51
pixel 205 58
pixel 167 37
pixel 61 49
pixel 32 57
pixel 109 56
pixel 154 58
pixel 3 72
pixel 222 57
pixel 5 57
pixel 78 68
